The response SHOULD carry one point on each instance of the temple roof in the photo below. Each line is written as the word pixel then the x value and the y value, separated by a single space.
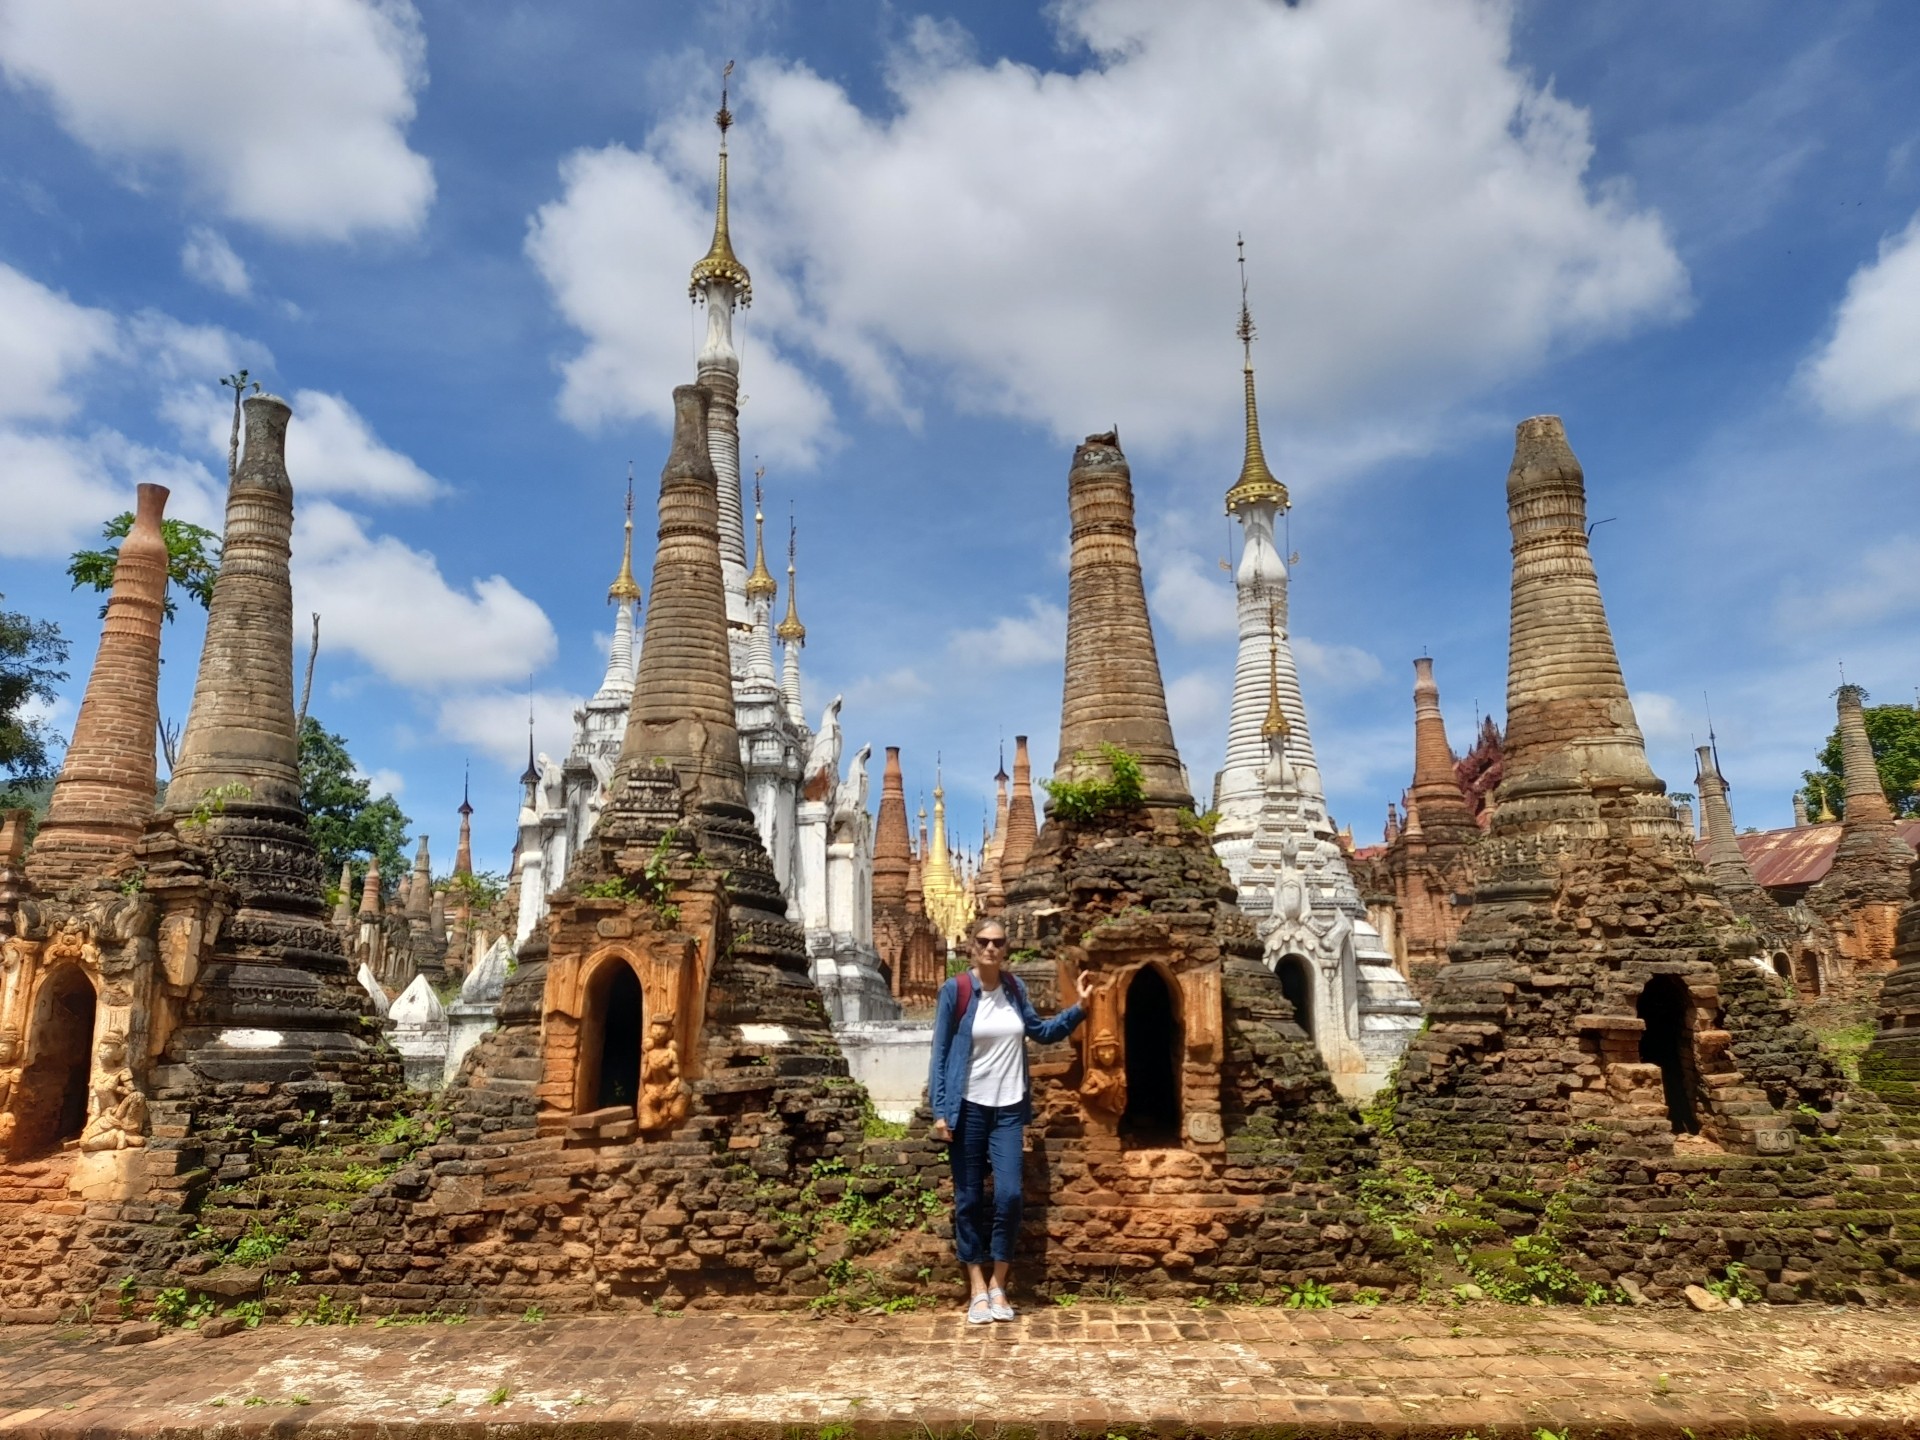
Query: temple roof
pixel 1798 854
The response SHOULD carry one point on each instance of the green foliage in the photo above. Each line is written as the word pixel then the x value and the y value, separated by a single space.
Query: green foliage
pixel 532 1315
pixel 1846 1043
pixel 250 1312
pixel 1308 1295
pixel 31 654
pixel 1383 1112
pixel 1894 733
pixel 193 560
pixel 498 1395
pixel 215 802
pixel 1084 801
pixel 1200 824
pixel 258 1246
pixel 324 1312
pixel 481 889
pixel 614 887
pixel 348 823
pixel 1736 1285
pixel 874 1127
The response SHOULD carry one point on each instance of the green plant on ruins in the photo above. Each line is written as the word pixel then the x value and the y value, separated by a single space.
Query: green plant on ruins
pixel 1083 802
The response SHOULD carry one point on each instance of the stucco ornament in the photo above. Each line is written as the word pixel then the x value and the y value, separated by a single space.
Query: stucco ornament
pixel 119 1109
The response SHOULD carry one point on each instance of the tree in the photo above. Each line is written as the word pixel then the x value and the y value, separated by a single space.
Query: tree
pixel 31 652
pixel 1894 733
pixel 347 822
pixel 193 560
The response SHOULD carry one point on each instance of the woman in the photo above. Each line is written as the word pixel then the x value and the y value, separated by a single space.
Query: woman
pixel 981 1099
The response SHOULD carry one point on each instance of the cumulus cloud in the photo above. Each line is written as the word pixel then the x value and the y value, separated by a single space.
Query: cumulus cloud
pixel 56 490
pixel 1193 597
pixel 331 450
pixel 1870 365
pixel 388 604
pixel 45 341
pixel 1057 246
pixel 1662 721
pixel 1882 582
pixel 209 259
pixel 1336 669
pixel 285 114
pixel 494 722
pixel 1038 637
pixel 1197 704
pixel 902 688
pixel 614 250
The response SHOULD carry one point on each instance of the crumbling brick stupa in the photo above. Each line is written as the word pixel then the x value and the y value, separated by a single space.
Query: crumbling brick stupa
pixel 173 1003
pixel 1188 1137
pixel 1605 1031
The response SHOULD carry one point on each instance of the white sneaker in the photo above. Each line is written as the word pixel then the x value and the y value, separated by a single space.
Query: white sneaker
pixel 997 1305
pixel 980 1312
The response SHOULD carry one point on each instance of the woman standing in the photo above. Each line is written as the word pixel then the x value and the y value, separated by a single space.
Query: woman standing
pixel 978 1089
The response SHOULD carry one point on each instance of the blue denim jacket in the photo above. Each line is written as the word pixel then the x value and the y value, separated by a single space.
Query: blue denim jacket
pixel 953 1045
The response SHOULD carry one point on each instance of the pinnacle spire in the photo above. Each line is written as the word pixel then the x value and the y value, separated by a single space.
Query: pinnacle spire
pixel 720 266
pixel 790 630
pixel 1256 485
pixel 760 584
pixel 1276 722
pixel 624 586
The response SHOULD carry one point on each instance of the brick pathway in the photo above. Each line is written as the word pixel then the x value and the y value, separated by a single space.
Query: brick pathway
pixel 1089 1370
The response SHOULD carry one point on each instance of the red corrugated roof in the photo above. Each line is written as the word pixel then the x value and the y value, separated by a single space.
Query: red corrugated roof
pixel 1799 854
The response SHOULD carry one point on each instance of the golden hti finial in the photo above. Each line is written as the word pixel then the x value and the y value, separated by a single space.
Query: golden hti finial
pixel 624 587
pixel 1276 721
pixel 790 630
pixel 760 584
pixel 1256 485
pixel 720 265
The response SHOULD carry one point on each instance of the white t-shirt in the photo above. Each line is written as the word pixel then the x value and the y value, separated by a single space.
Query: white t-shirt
pixel 996 1075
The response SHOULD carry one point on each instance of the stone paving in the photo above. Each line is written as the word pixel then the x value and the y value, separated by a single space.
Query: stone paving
pixel 1094 1370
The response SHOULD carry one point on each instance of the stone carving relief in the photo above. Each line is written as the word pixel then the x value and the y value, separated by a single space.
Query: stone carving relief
pixel 822 772
pixel 663 1094
pixel 1104 1087
pixel 9 1084
pixel 119 1120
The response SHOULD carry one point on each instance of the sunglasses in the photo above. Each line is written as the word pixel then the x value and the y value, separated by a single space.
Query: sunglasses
pixel 999 944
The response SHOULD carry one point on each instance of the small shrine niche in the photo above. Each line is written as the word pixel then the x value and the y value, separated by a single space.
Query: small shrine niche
pixel 611 1030
pixel 50 1107
pixel 1666 1006
pixel 1154 1047
pixel 1296 983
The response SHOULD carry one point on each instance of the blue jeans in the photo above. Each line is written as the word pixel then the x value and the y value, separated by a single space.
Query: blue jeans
pixel 987 1135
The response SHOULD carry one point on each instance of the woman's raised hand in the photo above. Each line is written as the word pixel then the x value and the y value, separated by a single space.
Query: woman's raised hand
pixel 1085 986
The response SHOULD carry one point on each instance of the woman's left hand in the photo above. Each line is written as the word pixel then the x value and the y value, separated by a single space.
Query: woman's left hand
pixel 1085 985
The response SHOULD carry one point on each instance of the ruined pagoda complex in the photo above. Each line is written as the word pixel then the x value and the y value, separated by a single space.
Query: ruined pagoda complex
pixel 801 797
pixel 1273 833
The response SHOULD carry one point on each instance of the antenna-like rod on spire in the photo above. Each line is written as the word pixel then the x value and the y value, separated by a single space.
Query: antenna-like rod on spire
pixel 1257 484
pixel 1276 721
pixel 724 119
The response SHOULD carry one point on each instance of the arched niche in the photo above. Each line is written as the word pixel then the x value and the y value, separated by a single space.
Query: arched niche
pixel 51 1106
pixel 1782 968
pixel 1667 1007
pixel 612 1022
pixel 1155 1040
pixel 1295 973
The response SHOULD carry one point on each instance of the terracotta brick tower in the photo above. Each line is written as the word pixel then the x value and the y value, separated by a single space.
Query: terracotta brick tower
pixel 105 794
pixel 1725 862
pixel 1862 894
pixel 1022 828
pixel 1164 1121
pixel 1113 691
pixel 901 933
pixel 892 847
pixel 1892 1062
pixel 1444 813
pixel 276 995
pixel 1584 997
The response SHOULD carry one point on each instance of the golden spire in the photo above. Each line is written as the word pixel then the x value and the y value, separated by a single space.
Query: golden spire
pixel 624 586
pixel 720 263
pixel 1276 721
pixel 760 584
pixel 1257 484
pixel 790 629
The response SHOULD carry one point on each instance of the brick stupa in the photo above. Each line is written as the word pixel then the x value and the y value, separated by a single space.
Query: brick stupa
pixel 1188 1135
pixel 1605 1031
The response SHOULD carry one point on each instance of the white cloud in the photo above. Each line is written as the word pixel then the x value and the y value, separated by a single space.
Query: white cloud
pixel 1662 721
pixel 1335 669
pixel 286 114
pixel 494 722
pixel 1193 597
pixel 1870 366
pixel 1037 638
pixel 57 490
pixel 614 250
pixel 45 341
pixel 895 690
pixel 209 259
pixel 384 782
pixel 331 450
pixel 1057 247
pixel 1197 704
pixel 389 605
pixel 1881 582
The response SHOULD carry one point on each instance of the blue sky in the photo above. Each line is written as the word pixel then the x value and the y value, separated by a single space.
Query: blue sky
pixel 457 236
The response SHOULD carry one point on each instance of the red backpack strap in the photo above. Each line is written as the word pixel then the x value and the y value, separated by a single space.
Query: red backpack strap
pixel 963 994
